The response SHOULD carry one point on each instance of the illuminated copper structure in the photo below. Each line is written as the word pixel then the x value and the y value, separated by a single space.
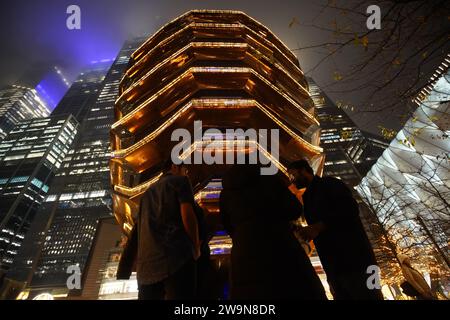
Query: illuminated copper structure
pixel 220 67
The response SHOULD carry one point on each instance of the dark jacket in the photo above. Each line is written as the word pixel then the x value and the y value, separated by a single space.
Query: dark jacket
pixel 266 259
pixel 343 247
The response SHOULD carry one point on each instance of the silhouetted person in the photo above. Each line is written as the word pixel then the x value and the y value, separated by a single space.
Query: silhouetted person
pixel 167 239
pixel 333 221
pixel 267 261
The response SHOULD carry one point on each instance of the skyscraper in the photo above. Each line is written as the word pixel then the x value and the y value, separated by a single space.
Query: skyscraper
pixel 83 93
pixel 365 151
pixel 337 130
pixel 80 97
pixel 29 157
pixel 48 79
pixel 19 103
pixel 80 194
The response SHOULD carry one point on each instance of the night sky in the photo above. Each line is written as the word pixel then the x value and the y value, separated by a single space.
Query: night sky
pixel 34 32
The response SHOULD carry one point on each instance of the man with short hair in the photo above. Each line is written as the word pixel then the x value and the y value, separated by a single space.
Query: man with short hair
pixel 334 225
pixel 168 239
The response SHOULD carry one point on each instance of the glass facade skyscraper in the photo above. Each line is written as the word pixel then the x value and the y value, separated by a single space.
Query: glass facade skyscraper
pixel 80 193
pixel 78 99
pixel 19 103
pixel 365 151
pixel 48 79
pixel 30 156
pixel 337 130
pixel 83 93
pixel 349 151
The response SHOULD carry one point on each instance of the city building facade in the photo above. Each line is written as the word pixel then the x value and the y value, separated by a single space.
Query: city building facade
pixel 337 131
pixel 80 193
pixel 30 156
pixel 19 103
pixel 365 151
pixel 49 80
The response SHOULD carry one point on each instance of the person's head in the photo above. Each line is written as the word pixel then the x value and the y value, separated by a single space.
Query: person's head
pixel 301 173
pixel 175 169
pixel 241 175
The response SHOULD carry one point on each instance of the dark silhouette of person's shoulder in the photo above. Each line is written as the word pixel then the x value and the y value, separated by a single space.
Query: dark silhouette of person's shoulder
pixel 332 180
pixel 334 183
pixel 169 178
pixel 172 180
pixel 164 183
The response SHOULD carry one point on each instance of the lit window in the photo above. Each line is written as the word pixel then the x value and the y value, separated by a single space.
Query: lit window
pixel 51 198
pixel 66 196
pixel 21 156
pixel 36 155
